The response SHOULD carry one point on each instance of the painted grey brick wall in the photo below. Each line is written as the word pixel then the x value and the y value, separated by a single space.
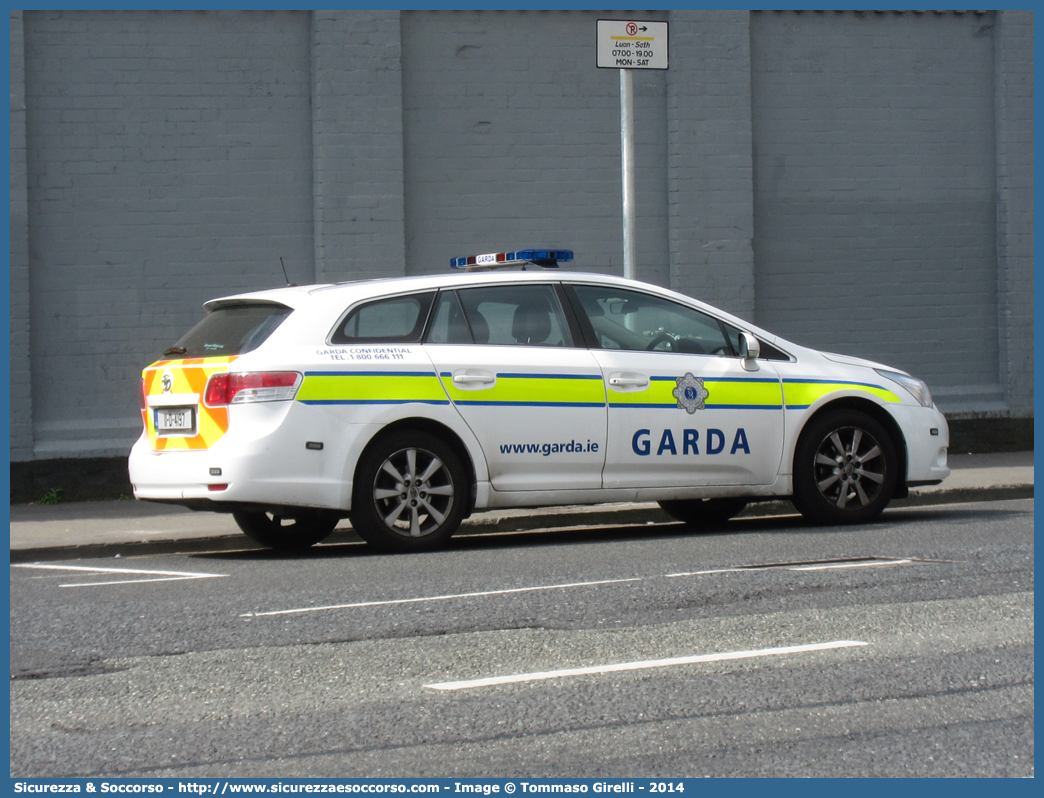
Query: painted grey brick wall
pixel 512 139
pixel 710 186
pixel 881 164
pixel 21 374
pixel 874 186
pixel 169 160
pixel 357 145
pixel 1014 68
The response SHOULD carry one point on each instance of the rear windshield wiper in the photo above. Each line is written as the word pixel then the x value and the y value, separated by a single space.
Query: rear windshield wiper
pixel 176 350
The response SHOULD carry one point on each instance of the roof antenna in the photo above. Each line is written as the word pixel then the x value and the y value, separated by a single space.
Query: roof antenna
pixel 288 283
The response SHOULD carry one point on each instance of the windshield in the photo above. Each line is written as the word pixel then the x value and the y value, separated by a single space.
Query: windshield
pixel 231 330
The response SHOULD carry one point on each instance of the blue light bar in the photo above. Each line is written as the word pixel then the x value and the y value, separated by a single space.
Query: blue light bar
pixel 546 258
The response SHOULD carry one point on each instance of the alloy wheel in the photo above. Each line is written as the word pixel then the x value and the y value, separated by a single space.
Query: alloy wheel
pixel 413 492
pixel 850 468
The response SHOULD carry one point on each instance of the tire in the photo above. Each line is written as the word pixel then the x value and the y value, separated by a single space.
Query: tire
pixel 410 492
pixel 845 468
pixel 703 513
pixel 286 533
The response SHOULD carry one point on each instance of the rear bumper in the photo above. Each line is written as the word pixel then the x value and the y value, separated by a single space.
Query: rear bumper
pixel 264 459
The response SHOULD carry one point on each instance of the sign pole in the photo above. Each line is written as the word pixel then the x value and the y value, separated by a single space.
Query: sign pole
pixel 628 45
pixel 627 161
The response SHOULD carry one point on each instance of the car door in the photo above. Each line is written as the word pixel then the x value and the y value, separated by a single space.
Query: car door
pixel 507 358
pixel 682 409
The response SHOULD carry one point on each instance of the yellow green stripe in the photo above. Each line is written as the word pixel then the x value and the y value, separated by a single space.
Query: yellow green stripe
pixel 722 394
pixel 371 388
pixel 544 389
pixel 803 393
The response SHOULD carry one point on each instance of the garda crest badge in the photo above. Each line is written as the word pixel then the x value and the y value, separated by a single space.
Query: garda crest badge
pixel 690 393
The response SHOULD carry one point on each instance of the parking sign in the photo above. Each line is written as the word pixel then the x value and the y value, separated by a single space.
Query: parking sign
pixel 632 44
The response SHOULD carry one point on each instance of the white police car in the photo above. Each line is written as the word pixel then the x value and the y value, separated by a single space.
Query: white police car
pixel 406 404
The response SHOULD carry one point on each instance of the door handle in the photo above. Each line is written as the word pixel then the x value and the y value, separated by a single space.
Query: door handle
pixel 628 381
pixel 473 379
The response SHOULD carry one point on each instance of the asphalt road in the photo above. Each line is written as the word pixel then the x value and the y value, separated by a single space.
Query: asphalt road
pixel 903 648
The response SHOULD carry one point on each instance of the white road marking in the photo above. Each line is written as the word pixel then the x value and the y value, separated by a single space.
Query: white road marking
pixel 847 565
pixel 477 594
pixel 783 567
pixel 138 581
pixel 165 576
pixel 643 665
pixel 439 598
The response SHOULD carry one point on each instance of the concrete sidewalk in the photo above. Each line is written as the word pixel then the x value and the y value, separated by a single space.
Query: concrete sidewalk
pixel 108 528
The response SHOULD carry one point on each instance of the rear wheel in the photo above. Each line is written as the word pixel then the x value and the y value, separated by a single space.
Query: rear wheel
pixel 703 513
pixel 845 468
pixel 303 529
pixel 410 492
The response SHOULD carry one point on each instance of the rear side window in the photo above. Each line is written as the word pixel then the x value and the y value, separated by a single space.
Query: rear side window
pixel 231 330
pixel 515 315
pixel 448 325
pixel 398 319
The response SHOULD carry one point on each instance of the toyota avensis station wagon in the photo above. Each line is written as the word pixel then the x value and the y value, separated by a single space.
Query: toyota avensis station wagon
pixel 406 404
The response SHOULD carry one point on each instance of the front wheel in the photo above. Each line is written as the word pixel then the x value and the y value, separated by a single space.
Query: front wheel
pixel 287 533
pixel 410 492
pixel 703 514
pixel 845 468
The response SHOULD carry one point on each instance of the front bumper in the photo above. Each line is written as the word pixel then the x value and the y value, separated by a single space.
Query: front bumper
pixel 927 441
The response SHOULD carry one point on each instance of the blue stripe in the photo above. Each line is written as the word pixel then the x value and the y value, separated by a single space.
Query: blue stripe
pixel 369 373
pixel 744 407
pixel 717 379
pixel 666 406
pixel 835 382
pixel 373 401
pixel 740 379
pixel 531 404
pixel 552 376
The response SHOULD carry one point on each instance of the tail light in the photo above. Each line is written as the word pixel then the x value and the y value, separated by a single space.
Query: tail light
pixel 233 389
pixel 141 394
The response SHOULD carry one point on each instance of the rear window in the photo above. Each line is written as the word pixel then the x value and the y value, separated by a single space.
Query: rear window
pixel 398 319
pixel 231 330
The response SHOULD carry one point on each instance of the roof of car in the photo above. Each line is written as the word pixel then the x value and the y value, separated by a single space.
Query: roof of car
pixel 343 294
pixel 296 296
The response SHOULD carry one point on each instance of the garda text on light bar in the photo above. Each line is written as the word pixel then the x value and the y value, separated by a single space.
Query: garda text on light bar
pixel 547 258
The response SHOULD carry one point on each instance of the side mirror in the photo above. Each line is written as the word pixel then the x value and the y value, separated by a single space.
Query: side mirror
pixel 750 351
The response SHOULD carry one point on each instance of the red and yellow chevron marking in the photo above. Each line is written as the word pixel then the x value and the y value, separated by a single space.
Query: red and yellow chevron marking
pixel 189 377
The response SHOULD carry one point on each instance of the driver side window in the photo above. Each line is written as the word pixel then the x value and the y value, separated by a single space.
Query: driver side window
pixel 635 321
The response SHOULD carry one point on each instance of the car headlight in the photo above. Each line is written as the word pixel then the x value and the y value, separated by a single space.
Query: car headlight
pixel 917 388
